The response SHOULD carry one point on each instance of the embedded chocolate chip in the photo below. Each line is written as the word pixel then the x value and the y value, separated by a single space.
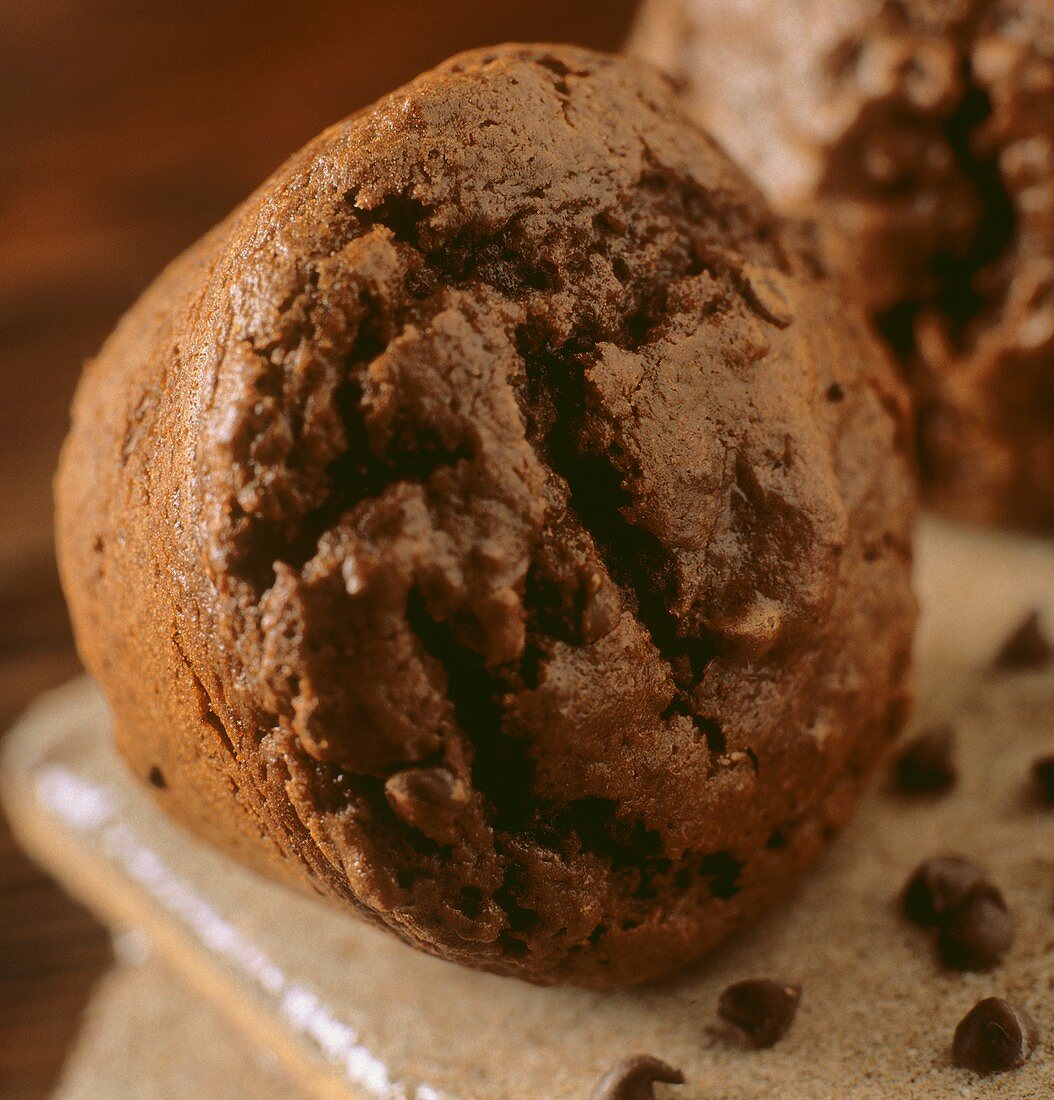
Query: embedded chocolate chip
pixel 1028 647
pixel 1043 773
pixel 927 764
pixel 978 932
pixel 938 885
pixel 430 800
pixel 762 1009
pixel 994 1036
pixel 155 777
pixel 634 1079
pixel 600 608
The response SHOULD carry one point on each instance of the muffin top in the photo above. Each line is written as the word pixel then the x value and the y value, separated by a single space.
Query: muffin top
pixel 505 526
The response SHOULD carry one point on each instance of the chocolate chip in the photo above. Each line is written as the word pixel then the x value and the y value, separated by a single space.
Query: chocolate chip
pixel 1043 773
pixel 1026 648
pixel 994 1036
pixel 768 294
pixel 927 764
pixel 978 932
pixel 156 778
pixel 937 886
pixel 430 800
pixel 634 1078
pixel 600 608
pixel 762 1009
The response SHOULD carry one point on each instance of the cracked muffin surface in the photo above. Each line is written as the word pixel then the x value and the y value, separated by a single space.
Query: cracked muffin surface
pixel 500 526
pixel 922 133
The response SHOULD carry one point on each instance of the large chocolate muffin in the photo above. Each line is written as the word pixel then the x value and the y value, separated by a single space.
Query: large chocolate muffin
pixel 499 525
pixel 922 133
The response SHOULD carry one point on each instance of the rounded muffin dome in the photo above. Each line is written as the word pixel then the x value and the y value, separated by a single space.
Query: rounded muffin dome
pixel 499 526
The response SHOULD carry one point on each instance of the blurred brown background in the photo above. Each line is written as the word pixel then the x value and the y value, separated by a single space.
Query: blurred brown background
pixel 126 129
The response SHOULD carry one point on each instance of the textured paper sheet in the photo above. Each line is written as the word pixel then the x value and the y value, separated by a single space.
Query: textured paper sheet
pixel 146 1037
pixel 353 1013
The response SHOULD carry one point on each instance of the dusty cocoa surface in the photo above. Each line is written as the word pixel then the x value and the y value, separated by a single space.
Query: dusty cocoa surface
pixel 922 134
pixel 500 525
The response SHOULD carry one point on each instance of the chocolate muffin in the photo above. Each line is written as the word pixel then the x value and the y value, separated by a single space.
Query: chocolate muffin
pixel 922 134
pixel 499 526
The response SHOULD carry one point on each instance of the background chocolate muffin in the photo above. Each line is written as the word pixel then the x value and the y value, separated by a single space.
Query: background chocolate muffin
pixel 922 133
pixel 500 526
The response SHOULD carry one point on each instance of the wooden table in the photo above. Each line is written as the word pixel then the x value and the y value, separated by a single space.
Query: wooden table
pixel 126 129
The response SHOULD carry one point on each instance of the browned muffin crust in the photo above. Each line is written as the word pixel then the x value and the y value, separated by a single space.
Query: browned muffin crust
pixel 500 526
pixel 922 134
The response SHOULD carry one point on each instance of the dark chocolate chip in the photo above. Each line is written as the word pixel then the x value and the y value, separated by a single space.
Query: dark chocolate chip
pixel 1026 648
pixel 634 1079
pixel 994 1036
pixel 937 886
pixel 155 777
pixel 430 800
pixel 927 764
pixel 978 932
pixel 1043 773
pixel 762 1009
pixel 600 609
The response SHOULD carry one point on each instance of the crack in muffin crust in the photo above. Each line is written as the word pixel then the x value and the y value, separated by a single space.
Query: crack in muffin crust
pixel 514 539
